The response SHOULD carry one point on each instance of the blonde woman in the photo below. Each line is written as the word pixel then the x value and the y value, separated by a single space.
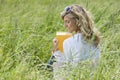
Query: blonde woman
pixel 83 45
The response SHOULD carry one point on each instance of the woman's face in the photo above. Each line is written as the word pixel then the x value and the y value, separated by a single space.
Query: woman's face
pixel 70 24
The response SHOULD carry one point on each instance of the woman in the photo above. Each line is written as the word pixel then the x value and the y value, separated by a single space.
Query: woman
pixel 83 45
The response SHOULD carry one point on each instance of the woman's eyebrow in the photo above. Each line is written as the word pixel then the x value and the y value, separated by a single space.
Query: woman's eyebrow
pixel 65 20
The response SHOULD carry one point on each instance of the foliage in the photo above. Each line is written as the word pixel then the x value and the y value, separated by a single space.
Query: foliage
pixel 27 28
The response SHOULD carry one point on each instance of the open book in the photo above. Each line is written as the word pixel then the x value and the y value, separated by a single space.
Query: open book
pixel 61 36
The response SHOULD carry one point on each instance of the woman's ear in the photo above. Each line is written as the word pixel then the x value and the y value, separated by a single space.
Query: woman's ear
pixel 77 21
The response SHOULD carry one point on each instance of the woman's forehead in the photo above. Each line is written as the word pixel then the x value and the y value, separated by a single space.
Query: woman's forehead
pixel 69 15
pixel 67 18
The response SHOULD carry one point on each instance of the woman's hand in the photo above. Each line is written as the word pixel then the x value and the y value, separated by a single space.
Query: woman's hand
pixel 55 45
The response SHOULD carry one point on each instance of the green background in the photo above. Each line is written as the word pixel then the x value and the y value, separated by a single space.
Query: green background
pixel 27 28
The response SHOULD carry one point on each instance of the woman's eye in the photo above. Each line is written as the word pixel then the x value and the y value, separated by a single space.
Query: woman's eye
pixel 67 21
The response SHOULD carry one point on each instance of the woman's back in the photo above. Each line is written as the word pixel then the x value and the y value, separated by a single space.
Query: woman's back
pixel 76 49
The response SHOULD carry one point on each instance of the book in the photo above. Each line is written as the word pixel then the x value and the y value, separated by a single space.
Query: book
pixel 61 36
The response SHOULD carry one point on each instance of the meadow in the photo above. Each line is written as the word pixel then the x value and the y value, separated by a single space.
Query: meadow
pixel 27 28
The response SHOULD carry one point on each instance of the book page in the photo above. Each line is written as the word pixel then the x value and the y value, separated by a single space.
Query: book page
pixel 61 36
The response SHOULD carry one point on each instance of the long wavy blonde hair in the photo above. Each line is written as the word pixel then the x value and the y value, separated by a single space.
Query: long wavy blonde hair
pixel 83 22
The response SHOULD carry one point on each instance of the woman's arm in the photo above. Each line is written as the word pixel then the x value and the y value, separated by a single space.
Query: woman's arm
pixel 59 56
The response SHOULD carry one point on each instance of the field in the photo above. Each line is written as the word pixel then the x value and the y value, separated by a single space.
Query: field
pixel 27 28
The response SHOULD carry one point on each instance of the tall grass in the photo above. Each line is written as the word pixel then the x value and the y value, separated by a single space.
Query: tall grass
pixel 27 28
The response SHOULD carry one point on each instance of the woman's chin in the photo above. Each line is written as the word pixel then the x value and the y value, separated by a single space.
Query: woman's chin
pixel 69 31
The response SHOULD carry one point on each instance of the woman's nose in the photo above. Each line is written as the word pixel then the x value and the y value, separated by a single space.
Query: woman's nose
pixel 65 25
